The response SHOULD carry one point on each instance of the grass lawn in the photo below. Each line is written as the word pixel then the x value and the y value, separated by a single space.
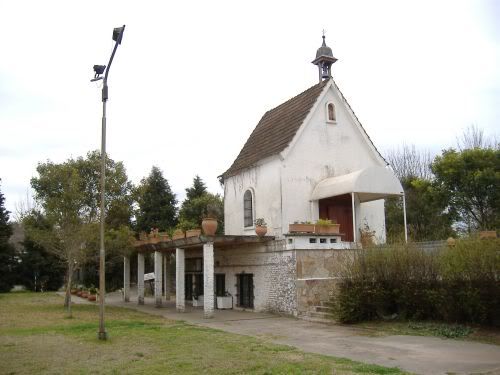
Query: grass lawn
pixel 486 335
pixel 35 337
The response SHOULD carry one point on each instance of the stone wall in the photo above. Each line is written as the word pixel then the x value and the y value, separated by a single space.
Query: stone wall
pixel 273 269
pixel 288 282
pixel 282 276
pixel 317 274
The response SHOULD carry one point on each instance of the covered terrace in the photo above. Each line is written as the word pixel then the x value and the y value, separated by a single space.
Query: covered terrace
pixel 160 246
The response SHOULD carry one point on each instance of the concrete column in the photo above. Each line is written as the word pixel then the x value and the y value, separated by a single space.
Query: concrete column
pixel 208 280
pixel 158 278
pixel 166 276
pixel 404 218
pixel 126 279
pixel 140 279
pixel 179 278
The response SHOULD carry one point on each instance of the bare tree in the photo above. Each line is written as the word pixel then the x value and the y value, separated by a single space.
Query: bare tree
pixel 473 137
pixel 408 162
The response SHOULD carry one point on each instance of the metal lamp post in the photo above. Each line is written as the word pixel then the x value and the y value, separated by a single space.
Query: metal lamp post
pixel 99 70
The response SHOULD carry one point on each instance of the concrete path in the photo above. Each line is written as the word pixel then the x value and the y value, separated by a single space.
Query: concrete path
pixel 416 354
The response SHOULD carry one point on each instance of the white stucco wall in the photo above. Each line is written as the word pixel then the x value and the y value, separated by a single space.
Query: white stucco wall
pixel 264 182
pixel 323 150
pixel 283 185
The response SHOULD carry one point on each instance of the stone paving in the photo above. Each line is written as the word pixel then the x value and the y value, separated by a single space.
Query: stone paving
pixel 421 355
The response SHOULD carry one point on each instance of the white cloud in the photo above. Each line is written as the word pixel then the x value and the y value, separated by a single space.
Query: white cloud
pixel 192 79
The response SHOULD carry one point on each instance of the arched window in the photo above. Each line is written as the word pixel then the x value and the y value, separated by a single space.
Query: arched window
pixel 248 209
pixel 330 113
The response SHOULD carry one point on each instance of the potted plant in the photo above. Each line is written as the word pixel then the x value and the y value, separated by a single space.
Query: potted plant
pixel 154 236
pixel 164 237
pixel 178 234
pixel 260 227
pixel 189 228
pixel 209 219
pixel 84 294
pixel 302 227
pixel 193 232
pixel 198 300
pixel 324 226
pixel 92 296
pixel 367 236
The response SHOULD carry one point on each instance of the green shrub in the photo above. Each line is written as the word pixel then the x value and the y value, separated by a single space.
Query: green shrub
pixel 457 285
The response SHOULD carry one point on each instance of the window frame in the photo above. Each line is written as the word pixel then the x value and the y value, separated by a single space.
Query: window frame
pixel 252 208
pixel 327 112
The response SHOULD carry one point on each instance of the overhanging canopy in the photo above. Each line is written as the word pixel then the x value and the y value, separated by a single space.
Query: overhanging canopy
pixel 370 184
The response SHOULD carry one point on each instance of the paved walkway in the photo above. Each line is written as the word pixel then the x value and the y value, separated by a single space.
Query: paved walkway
pixel 421 355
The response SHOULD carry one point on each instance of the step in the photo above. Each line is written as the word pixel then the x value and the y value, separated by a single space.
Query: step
pixel 317 314
pixel 317 320
pixel 325 309
pixel 327 304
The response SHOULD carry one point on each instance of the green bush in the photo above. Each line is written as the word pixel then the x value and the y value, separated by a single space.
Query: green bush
pixel 458 285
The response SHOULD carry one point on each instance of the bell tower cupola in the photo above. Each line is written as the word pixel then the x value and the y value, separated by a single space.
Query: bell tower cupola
pixel 324 60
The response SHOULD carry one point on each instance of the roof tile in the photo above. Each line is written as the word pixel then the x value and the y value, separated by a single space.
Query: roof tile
pixel 276 129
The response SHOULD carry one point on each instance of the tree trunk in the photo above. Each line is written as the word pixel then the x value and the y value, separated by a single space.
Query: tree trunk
pixel 67 300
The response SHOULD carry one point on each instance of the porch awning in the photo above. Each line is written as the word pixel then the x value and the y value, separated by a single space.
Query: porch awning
pixel 370 184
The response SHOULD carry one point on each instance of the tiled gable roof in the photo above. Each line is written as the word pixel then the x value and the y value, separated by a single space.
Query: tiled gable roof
pixel 276 129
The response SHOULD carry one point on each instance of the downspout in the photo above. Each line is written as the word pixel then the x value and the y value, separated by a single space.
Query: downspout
pixel 353 218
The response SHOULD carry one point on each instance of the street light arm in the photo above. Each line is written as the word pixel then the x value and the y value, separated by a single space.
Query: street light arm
pixel 105 81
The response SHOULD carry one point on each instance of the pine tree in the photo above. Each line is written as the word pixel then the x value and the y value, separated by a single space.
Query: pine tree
pixel 197 190
pixel 157 203
pixel 7 251
pixel 198 201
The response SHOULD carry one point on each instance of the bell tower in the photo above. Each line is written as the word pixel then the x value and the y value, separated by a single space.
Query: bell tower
pixel 324 60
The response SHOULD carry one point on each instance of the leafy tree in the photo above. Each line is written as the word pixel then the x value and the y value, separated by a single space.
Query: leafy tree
pixel 157 203
pixel 118 243
pixel 426 207
pixel 427 213
pixel 118 189
pixel 7 251
pixel 193 210
pixel 39 269
pixel 472 178
pixel 68 194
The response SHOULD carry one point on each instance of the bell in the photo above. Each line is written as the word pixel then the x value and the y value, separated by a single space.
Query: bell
pixel 325 71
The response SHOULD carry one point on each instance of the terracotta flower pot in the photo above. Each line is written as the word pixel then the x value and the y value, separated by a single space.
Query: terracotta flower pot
pixel 261 230
pixel 74 291
pixel 178 234
pixel 79 293
pixel 327 229
pixel 92 297
pixel 301 228
pixel 84 294
pixel 209 226
pixel 193 233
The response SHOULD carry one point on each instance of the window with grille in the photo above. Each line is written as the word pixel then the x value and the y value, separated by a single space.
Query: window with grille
pixel 248 209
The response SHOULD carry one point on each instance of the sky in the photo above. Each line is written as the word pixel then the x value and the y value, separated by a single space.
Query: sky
pixel 192 79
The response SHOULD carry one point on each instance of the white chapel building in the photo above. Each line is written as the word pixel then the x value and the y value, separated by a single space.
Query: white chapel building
pixel 309 158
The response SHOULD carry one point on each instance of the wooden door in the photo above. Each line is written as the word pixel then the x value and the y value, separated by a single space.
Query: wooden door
pixel 245 290
pixel 220 284
pixel 188 286
pixel 339 209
